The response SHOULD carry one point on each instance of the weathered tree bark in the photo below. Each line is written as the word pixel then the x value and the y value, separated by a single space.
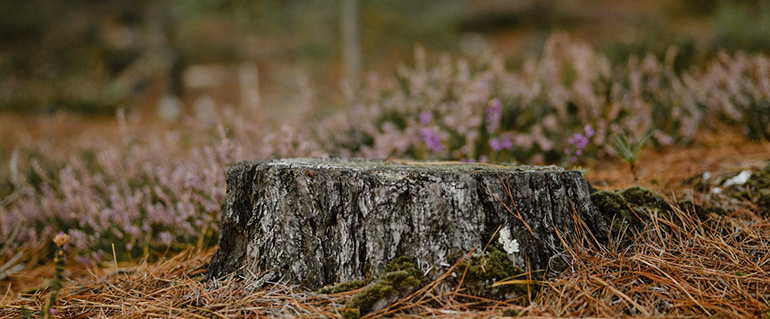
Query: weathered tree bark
pixel 314 222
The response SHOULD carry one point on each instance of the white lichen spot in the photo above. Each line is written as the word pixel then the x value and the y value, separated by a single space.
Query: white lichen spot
pixel 739 179
pixel 510 246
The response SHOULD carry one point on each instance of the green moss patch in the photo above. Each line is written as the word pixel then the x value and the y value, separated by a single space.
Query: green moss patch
pixel 343 287
pixel 484 270
pixel 642 197
pixel 755 192
pixel 401 278
pixel 614 209
pixel 630 209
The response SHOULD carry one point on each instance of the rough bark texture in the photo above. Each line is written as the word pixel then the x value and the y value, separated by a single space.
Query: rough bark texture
pixel 314 222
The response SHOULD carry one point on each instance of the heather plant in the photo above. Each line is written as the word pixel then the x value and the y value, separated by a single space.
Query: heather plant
pixel 482 110
pixel 56 283
pixel 145 193
pixel 578 142
pixel 736 89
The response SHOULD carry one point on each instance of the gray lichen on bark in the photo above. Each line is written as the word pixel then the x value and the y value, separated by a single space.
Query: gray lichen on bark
pixel 314 222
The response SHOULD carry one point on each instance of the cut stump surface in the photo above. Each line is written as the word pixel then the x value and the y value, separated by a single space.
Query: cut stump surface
pixel 315 222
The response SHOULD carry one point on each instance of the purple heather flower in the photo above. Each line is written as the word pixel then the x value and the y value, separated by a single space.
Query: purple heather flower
pixel 495 144
pixel 499 144
pixel 494 113
pixel 166 238
pixel 426 117
pixel 431 139
pixel 579 140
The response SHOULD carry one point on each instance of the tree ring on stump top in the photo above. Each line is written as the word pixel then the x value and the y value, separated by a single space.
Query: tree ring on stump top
pixel 314 222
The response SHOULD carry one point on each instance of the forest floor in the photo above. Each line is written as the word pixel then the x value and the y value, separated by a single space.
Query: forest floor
pixel 173 287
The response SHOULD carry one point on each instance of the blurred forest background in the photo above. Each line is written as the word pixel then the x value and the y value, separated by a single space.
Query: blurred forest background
pixel 93 57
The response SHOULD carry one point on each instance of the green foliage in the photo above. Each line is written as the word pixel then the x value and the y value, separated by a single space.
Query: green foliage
pixel 58 277
pixel 629 149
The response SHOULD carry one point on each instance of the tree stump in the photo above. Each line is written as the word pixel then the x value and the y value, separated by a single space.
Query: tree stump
pixel 315 222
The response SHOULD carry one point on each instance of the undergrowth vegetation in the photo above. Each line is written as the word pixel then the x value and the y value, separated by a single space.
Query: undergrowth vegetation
pixel 153 193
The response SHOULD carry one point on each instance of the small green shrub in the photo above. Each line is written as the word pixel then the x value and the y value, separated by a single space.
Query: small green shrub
pixel 629 149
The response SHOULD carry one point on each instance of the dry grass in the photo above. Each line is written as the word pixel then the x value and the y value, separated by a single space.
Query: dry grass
pixel 175 288
pixel 678 267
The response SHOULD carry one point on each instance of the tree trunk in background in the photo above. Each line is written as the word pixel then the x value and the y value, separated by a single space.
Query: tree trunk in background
pixel 314 222
pixel 351 47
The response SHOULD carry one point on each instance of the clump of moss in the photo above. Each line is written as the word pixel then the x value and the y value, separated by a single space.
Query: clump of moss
pixel 483 270
pixel 631 208
pixel 351 313
pixel 642 197
pixel 617 212
pixel 760 180
pixel 404 263
pixel 343 287
pixel 755 190
pixel 401 278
